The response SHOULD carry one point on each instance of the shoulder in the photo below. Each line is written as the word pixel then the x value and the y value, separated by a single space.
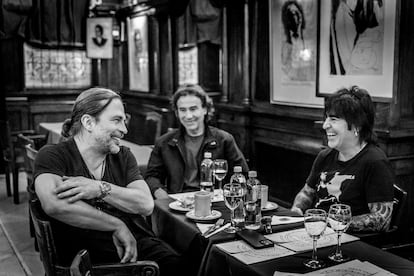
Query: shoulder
pixel 220 133
pixel 325 153
pixel 58 150
pixel 167 137
pixel 374 152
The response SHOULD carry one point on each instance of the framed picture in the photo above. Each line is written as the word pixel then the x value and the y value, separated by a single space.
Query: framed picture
pixel 293 52
pixel 188 65
pixel 56 68
pixel 138 61
pixel 99 40
pixel 357 46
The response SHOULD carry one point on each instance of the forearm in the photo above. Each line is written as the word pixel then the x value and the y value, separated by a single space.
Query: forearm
pixel 378 220
pixel 82 215
pixel 304 198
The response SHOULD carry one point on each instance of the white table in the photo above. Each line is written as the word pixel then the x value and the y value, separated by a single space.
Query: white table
pixel 142 153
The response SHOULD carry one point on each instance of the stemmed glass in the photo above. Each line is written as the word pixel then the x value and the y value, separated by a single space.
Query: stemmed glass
pixel 233 197
pixel 220 170
pixel 315 225
pixel 339 218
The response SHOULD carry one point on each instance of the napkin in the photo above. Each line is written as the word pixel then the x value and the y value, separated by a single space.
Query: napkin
pixel 278 220
pixel 203 227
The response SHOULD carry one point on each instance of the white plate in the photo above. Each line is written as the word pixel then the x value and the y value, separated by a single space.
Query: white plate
pixel 214 215
pixel 270 206
pixel 177 206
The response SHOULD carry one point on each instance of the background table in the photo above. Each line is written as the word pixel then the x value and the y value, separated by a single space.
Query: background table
pixel 142 153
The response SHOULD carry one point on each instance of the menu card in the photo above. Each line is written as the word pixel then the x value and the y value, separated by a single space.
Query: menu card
pixel 248 255
pixel 352 268
pixel 298 240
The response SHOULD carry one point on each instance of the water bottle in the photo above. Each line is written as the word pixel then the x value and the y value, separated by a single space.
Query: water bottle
pixel 206 174
pixel 253 202
pixel 239 213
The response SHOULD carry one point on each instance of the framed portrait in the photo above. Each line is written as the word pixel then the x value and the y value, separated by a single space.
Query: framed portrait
pixel 357 46
pixel 293 52
pixel 188 65
pixel 138 57
pixel 99 42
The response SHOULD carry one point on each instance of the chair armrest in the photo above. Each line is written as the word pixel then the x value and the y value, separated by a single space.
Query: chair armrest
pixel 150 267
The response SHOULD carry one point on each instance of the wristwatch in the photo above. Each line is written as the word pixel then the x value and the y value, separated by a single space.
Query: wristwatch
pixel 105 189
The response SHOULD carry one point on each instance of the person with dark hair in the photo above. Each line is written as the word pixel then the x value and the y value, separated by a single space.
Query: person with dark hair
pixel 91 188
pixel 353 170
pixel 174 163
pixel 99 39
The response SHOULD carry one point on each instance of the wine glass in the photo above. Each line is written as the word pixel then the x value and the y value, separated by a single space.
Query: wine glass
pixel 339 218
pixel 315 224
pixel 220 170
pixel 233 197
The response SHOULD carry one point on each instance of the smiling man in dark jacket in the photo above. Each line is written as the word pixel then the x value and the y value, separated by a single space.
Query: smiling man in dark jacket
pixel 177 155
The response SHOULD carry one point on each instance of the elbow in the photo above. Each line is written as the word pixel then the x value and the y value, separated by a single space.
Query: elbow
pixel 149 208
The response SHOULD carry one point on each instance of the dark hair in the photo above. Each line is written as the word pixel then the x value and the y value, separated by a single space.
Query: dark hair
pixel 195 90
pixel 98 26
pixel 355 106
pixel 289 23
pixel 92 102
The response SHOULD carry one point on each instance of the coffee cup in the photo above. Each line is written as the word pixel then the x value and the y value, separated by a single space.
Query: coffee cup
pixel 202 204
pixel 264 193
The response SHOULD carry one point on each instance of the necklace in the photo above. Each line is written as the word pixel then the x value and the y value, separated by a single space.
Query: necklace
pixel 102 171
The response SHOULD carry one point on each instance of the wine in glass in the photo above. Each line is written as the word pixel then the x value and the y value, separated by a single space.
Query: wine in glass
pixel 339 218
pixel 220 170
pixel 315 225
pixel 233 197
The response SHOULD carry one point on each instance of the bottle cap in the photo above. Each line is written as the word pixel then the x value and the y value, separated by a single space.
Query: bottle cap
pixel 207 154
pixel 237 169
pixel 252 174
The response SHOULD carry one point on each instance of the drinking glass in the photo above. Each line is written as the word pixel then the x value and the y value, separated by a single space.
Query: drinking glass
pixel 315 225
pixel 339 218
pixel 220 170
pixel 233 197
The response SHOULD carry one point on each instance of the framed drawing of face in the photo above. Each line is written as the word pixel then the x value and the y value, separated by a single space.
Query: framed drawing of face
pixel 138 60
pixel 293 52
pixel 357 46
pixel 99 42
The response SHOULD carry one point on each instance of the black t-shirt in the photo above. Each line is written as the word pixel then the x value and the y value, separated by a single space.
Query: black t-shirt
pixel 121 169
pixel 367 177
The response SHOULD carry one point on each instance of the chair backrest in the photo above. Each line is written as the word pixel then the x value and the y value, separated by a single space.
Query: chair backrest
pixel 81 264
pixel 152 130
pixel 400 197
pixel 29 160
pixel 45 241
pixel 6 141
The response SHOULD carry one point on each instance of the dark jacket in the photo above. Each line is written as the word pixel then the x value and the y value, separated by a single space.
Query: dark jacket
pixel 167 162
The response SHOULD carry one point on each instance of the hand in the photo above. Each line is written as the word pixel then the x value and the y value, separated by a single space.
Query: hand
pixel 78 188
pixel 160 193
pixel 297 210
pixel 125 244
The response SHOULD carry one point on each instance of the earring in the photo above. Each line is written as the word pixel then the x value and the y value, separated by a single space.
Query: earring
pixel 356 133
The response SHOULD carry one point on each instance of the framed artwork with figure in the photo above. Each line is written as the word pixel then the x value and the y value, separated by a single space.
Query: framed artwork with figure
pixel 357 46
pixel 138 54
pixel 99 42
pixel 293 52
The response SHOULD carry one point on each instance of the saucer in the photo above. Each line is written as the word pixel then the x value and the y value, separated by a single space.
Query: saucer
pixel 270 206
pixel 214 215
pixel 177 206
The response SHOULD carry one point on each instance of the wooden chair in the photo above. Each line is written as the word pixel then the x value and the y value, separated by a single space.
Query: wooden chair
pixel 12 157
pixel 152 129
pixel 388 238
pixel 50 259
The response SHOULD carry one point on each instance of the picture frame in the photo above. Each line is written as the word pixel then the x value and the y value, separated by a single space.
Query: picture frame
pixel 293 52
pixel 188 64
pixel 99 40
pixel 138 54
pixel 364 58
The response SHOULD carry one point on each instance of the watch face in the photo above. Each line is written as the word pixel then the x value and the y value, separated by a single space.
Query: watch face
pixel 105 189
